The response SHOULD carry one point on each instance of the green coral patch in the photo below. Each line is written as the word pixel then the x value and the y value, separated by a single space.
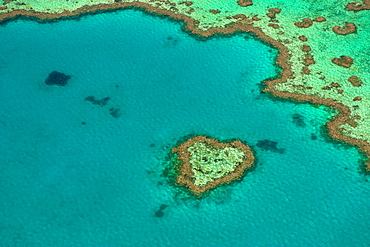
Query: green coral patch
pixel 209 163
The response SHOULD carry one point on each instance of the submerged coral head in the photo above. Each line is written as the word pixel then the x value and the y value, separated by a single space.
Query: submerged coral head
pixel 57 78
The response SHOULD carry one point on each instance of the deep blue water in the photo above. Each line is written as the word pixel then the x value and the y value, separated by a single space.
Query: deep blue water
pixel 71 173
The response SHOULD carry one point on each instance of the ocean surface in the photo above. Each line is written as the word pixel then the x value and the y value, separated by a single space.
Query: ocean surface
pixel 75 173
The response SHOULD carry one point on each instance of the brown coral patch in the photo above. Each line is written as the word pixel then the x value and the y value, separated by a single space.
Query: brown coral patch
pixel 275 10
pixel 308 60
pixel 276 26
pixel 191 10
pixel 244 3
pixel 215 11
pixel 346 29
pixel 319 19
pixel 306 48
pixel 355 81
pixel 255 18
pixel 271 15
pixel 4 7
pixel 357 7
pixel 352 123
pixel 302 38
pixel 240 16
pixel 306 70
pixel 305 23
pixel 188 3
pixel 344 61
pixel 357 98
pixel 185 176
pixel 336 85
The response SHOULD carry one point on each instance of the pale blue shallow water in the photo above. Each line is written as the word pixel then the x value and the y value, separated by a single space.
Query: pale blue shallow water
pixel 63 183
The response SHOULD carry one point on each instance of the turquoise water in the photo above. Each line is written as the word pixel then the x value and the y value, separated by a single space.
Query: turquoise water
pixel 71 173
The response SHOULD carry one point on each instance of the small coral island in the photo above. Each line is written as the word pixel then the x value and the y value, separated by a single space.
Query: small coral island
pixel 206 163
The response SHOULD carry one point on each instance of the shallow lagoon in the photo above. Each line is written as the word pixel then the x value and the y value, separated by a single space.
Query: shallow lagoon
pixel 74 174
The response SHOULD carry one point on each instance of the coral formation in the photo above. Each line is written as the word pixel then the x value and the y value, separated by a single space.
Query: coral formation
pixel 298 120
pixel 302 38
pixel 294 80
pixel 319 19
pixel 269 145
pixel 115 112
pixel 101 102
pixel 215 11
pixel 347 29
pixel 57 78
pixel 207 163
pixel 276 26
pixel 305 23
pixel 355 81
pixel 344 61
pixel 357 7
pixel 306 48
pixel 159 213
pixel 244 3
pixel 308 60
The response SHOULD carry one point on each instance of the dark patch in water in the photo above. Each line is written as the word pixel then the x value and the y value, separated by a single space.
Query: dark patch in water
pixel 268 145
pixel 149 172
pixel 298 120
pixel 313 137
pixel 83 123
pixel 101 102
pixel 152 145
pixel 166 172
pixel 114 112
pixel 57 78
pixel 171 41
pixel 159 213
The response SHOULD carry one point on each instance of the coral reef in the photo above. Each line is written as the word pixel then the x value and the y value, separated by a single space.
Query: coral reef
pixel 319 19
pixel 344 61
pixel 207 163
pixel 244 3
pixel 355 81
pixel 295 79
pixel 357 7
pixel 347 29
pixel 302 38
pixel 305 23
